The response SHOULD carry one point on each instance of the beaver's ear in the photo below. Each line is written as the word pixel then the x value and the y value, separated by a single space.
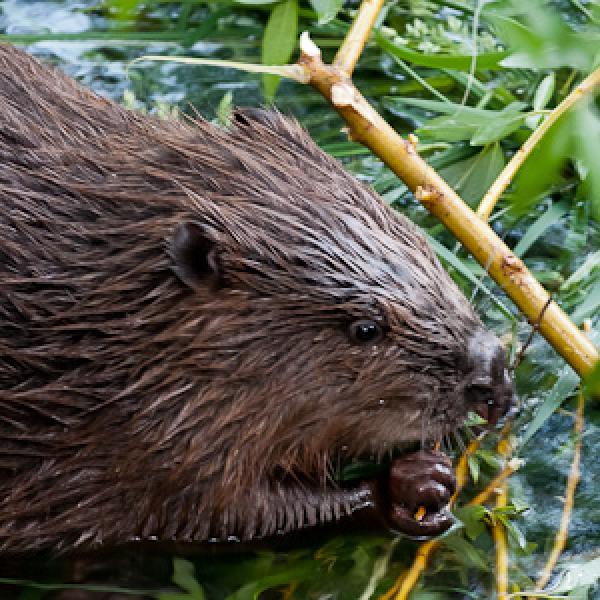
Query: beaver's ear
pixel 194 254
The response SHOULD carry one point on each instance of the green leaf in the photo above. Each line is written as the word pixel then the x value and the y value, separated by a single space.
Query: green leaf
pixel 279 41
pixel 514 533
pixel 490 458
pixel 589 307
pixel 466 552
pixel 497 129
pixel 184 575
pixel 461 62
pixel 472 517
pixel 295 571
pixel 549 218
pixel 564 387
pixel 473 464
pixel 225 110
pixel 479 126
pixel 544 92
pixel 543 40
pixel 394 103
pixel 584 146
pixel 472 177
pixel 326 9
pixel 591 262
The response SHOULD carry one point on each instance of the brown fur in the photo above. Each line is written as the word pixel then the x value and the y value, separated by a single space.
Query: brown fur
pixel 135 406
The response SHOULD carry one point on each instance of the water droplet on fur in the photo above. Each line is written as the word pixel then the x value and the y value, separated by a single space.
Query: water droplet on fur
pixel 213 540
pixel 233 538
pixel 381 402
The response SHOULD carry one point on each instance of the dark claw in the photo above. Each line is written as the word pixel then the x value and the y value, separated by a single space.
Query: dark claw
pixel 403 521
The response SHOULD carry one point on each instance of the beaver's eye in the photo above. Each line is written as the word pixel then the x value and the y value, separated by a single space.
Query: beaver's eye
pixel 365 331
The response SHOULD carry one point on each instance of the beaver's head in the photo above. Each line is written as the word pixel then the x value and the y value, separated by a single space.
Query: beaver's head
pixel 327 316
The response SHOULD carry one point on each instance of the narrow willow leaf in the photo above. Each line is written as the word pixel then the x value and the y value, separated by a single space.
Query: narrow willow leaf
pixel 393 103
pixel 461 62
pixel 591 262
pixel 472 518
pixel 326 9
pixel 466 552
pixel 473 464
pixel 564 387
pixel 554 214
pixel 279 41
pixel 184 575
pixel 497 129
pixel 589 307
pixel 584 143
pixel 472 177
pixel 544 92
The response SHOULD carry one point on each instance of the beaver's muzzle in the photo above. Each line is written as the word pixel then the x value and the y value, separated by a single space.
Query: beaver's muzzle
pixel 489 388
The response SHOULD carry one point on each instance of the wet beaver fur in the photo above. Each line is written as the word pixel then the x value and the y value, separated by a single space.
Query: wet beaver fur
pixel 197 323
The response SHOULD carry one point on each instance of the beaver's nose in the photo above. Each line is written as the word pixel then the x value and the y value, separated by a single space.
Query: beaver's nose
pixel 489 390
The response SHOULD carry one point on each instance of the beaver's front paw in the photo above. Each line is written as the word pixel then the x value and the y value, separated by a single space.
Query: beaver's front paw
pixel 419 488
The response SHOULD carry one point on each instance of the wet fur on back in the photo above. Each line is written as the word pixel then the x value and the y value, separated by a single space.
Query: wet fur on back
pixel 145 396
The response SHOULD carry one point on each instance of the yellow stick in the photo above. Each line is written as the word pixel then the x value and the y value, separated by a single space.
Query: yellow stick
pixel 496 483
pixel 499 536
pixel 493 194
pixel 498 530
pixel 347 56
pixel 562 534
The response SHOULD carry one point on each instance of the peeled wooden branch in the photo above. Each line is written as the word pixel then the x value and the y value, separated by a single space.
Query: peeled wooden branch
pixel 366 126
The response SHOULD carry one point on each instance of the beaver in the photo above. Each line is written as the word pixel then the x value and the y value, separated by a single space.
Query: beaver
pixel 197 323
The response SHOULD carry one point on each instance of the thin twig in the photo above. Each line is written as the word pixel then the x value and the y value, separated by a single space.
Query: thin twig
pixel 493 194
pixel 498 530
pixel 501 545
pixel 347 56
pixel 535 327
pixel 492 487
pixel 560 540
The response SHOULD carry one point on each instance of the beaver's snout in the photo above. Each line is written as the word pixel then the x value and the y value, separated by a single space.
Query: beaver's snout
pixel 489 389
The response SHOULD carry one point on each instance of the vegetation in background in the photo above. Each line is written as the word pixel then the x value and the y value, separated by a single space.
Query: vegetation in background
pixel 472 80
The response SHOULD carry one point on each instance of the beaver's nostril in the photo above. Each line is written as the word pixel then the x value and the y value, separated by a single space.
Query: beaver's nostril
pixel 489 388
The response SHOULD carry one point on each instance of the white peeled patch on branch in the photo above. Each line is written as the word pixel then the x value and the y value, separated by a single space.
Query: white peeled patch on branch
pixel 308 47
pixel 344 94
